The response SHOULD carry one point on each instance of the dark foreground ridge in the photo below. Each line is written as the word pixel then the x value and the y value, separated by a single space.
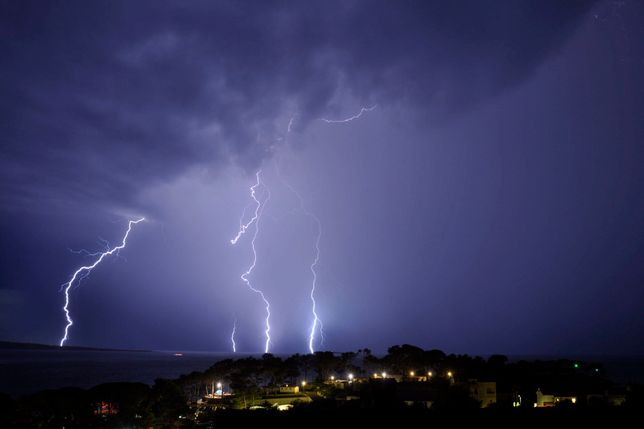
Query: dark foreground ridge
pixel 407 386
pixel 12 345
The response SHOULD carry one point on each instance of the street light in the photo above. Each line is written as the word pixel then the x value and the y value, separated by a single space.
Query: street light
pixel 219 388
pixel 303 383
pixel 350 377
pixel 449 374
pixel 384 375
pixel 429 374
pixel 332 377
pixel 412 373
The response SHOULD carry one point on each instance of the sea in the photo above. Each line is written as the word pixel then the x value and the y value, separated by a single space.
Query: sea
pixel 27 371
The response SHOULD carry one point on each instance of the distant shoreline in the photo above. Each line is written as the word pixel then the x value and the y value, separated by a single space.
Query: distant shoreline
pixel 14 345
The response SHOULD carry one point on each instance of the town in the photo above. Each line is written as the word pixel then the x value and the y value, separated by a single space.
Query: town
pixel 406 380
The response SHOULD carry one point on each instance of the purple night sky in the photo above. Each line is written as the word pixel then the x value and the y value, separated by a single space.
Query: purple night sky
pixel 491 202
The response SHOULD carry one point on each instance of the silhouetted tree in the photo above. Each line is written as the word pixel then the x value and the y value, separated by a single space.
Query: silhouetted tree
pixel 292 369
pixel 244 383
pixel 346 364
pixel 69 407
pixel 165 404
pixel 273 369
pixel 497 360
pixel 130 398
pixel 405 358
pixel 324 364
pixel 370 363
pixel 7 410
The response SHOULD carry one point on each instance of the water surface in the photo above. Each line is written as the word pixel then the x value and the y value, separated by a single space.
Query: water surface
pixel 27 371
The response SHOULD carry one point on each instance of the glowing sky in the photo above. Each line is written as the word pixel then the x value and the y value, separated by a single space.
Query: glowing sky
pixel 491 201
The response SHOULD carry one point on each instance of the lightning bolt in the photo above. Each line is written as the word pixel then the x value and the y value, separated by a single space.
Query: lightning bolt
pixel 105 243
pixel 316 319
pixel 317 322
pixel 84 271
pixel 232 336
pixel 351 118
pixel 243 227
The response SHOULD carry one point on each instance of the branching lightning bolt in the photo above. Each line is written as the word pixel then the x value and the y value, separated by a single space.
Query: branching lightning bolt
pixel 351 118
pixel 105 243
pixel 259 208
pixel 243 227
pixel 84 271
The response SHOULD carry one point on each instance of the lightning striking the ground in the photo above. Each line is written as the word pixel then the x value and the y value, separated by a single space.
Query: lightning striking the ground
pixel 232 336
pixel 316 324
pixel 243 227
pixel 316 319
pixel 84 271
pixel 351 118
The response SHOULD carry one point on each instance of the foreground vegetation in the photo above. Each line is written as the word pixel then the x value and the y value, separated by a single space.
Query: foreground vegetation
pixel 407 383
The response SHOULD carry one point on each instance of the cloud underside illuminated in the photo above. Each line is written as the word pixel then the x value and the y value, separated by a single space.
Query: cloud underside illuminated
pixel 202 85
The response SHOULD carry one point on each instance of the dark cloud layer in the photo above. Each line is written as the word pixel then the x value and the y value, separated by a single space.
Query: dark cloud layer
pixel 99 99
pixel 490 203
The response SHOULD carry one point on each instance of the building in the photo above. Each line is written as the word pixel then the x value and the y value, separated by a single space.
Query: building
pixel 615 397
pixel 483 391
pixel 289 389
pixel 282 397
pixel 547 400
pixel 280 400
pixel 417 394
pixel 105 408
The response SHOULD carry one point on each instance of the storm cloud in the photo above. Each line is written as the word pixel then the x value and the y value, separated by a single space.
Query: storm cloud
pixel 490 202
pixel 101 99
